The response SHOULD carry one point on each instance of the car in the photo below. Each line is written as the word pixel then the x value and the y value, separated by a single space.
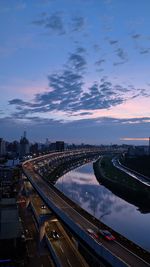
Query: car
pixel 23 236
pixel 106 234
pixel 54 234
pixel 26 231
pixel 92 233
pixel 43 206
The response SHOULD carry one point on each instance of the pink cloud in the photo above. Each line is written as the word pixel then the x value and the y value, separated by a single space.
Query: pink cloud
pixel 134 139
pixel 18 88
pixel 133 108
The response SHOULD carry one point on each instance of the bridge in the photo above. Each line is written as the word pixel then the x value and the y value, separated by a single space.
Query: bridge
pixel 113 252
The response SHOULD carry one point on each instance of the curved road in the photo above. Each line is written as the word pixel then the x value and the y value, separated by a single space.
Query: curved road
pixel 52 199
pixel 143 179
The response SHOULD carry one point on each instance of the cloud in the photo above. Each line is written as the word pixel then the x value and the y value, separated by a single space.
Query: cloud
pixel 121 54
pixel 100 96
pixel 107 22
pixel 81 50
pixel 135 138
pixel 135 120
pixel 144 51
pixel 113 42
pixel 69 94
pixel 57 23
pixel 54 22
pixel 1 112
pixel 84 122
pixel 95 131
pixel 66 89
pixel 136 36
pixel 77 61
pixel 84 113
pixel 19 102
pixel 99 62
pixel 96 47
pixel 99 70
pixel 119 63
pixel 78 23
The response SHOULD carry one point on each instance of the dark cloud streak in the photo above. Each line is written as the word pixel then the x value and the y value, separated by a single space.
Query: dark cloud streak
pixel 53 22
pixel 78 23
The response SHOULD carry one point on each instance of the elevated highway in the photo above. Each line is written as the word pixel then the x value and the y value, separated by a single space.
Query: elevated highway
pixel 65 254
pixel 113 252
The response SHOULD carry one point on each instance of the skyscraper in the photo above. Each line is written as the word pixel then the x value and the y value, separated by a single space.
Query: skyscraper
pixel 24 146
pixel 2 147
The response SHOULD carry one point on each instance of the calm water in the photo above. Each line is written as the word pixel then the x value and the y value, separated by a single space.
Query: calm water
pixel 82 187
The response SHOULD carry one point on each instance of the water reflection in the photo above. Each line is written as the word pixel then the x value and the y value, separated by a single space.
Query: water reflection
pixel 140 200
pixel 82 187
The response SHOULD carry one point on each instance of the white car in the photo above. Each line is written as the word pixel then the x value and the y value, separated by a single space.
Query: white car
pixel 54 234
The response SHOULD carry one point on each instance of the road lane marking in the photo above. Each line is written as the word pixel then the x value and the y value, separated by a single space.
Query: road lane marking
pixel 69 262
pixel 132 253
pixel 61 249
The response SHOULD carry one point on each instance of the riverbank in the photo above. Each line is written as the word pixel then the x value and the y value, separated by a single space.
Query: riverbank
pixel 122 184
pixel 140 164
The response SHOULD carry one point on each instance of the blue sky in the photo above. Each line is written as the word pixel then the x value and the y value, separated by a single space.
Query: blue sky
pixel 75 70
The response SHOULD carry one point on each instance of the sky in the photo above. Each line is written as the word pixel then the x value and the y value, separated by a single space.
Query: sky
pixel 77 71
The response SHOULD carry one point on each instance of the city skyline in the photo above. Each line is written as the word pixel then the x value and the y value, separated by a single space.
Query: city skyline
pixel 49 141
pixel 76 72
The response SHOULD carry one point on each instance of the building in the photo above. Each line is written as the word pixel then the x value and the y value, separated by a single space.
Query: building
pixel 10 230
pixel 34 148
pixel 13 148
pixel 24 146
pixel 52 146
pixel 2 147
pixel 134 151
pixel 60 145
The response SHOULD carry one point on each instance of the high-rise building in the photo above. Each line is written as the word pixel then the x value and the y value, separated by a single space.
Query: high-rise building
pixel 13 148
pixel 47 142
pixel 60 145
pixel 34 148
pixel 2 147
pixel 24 146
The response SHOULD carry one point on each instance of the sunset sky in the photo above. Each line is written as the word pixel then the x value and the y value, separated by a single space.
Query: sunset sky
pixel 77 71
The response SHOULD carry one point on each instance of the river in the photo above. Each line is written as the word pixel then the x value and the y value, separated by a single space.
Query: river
pixel 82 187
